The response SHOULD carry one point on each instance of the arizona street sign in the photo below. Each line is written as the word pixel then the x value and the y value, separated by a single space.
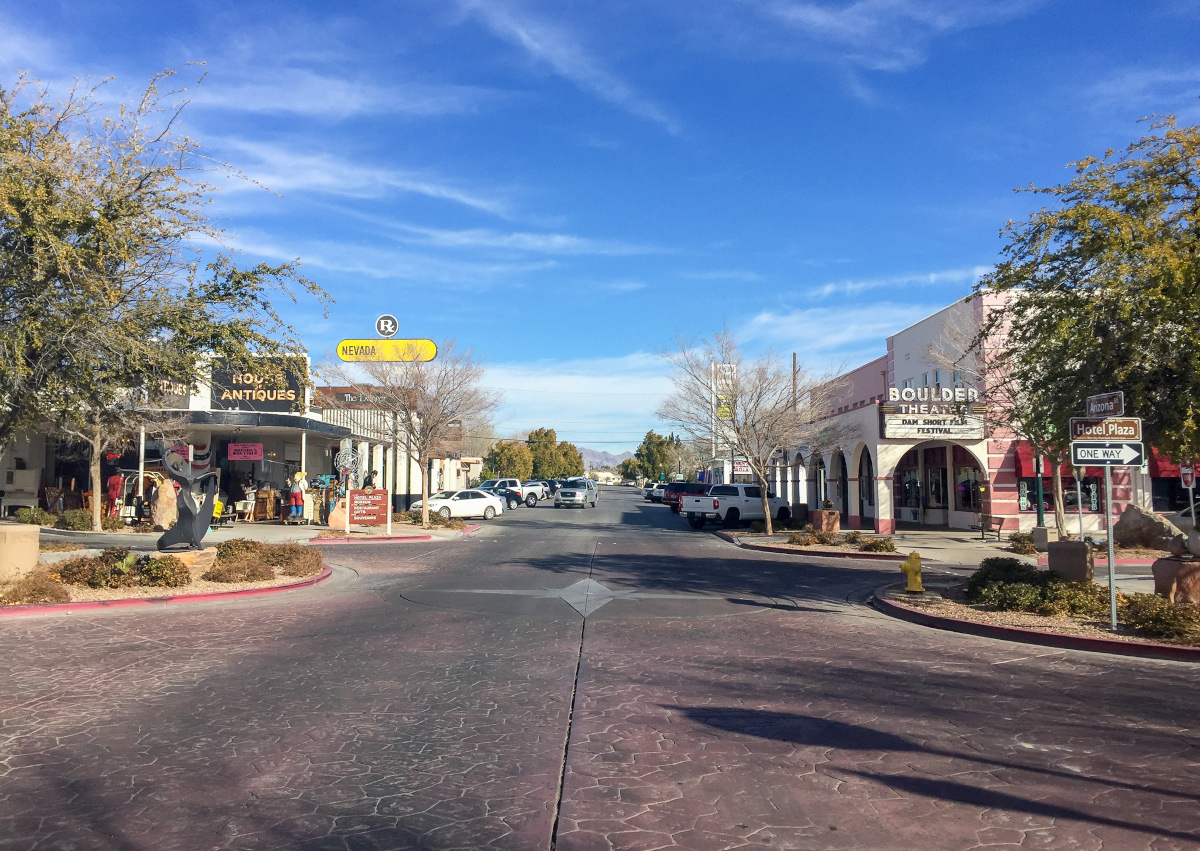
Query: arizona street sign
pixel 1106 404
pixel 387 350
pixel 1087 453
pixel 1109 428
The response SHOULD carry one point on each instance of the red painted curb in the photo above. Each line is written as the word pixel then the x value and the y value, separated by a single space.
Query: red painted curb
pixel 1121 562
pixel 383 540
pixel 56 608
pixel 1145 650
pixel 768 548
pixel 474 527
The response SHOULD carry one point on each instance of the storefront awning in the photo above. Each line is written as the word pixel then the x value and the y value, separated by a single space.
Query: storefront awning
pixel 252 419
pixel 1161 466
pixel 1027 468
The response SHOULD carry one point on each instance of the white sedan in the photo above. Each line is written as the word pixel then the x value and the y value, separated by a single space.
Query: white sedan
pixel 464 503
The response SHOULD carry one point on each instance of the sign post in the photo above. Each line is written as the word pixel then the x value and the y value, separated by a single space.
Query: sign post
pixel 1079 497
pixel 1187 475
pixel 1112 556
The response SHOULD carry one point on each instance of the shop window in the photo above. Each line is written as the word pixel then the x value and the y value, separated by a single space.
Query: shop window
pixel 937 376
pixel 1091 495
pixel 966 488
pixel 908 488
pixel 925 379
pixel 1027 494
pixel 935 487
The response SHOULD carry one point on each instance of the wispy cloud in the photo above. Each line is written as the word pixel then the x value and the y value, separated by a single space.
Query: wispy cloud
pixel 947 276
pixel 1147 90
pixel 292 91
pixel 556 47
pixel 21 50
pixel 538 243
pixel 722 275
pixel 282 169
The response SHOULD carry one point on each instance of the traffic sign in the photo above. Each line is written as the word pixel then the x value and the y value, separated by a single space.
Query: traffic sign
pixel 1108 428
pixel 1187 475
pixel 1088 453
pixel 1106 404
pixel 386 325
pixel 419 351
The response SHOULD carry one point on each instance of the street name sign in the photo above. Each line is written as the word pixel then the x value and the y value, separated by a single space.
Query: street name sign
pixel 1088 453
pixel 412 351
pixel 1108 428
pixel 1106 404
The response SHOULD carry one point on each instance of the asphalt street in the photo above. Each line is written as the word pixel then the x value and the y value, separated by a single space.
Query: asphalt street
pixel 580 679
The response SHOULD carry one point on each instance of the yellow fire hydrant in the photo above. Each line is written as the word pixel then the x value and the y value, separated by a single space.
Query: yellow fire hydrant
pixel 911 567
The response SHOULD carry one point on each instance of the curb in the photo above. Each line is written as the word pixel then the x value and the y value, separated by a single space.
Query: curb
pixel 381 540
pixel 474 527
pixel 1144 650
pixel 1121 562
pixel 768 548
pixel 67 608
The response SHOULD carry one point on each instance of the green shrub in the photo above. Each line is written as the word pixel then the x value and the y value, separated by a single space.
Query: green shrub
pixel 237 547
pixel 77 519
pixel 163 571
pixel 292 559
pixel 1022 543
pixel 853 537
pixel 758 526
pixel 35 516
pixel 1004 570
pixel 1011 597
pixel 827 539
pixel 38 587
pixel 827 505
pixel 808 527
pixel 802 539
pixel 111 524
pixel 1073 598
pixel 239 570
pixel 881 544
pixel 98 572
pixel 1158 617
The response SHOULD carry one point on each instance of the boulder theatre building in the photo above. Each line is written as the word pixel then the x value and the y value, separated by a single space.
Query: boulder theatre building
pixel 922 452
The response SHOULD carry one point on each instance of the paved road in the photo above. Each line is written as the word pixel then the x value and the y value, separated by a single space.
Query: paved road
pixel 710 698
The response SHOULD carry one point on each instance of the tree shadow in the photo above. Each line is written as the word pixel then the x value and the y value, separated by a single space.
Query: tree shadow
pixel 810 731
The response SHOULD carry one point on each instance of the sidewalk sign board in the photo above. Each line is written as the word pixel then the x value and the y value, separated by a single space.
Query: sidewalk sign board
pixel 1106 404
pixel 369 507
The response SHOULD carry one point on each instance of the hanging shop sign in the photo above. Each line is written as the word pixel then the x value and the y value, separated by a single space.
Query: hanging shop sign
pixel 741 468
pixel 413 351
pixel 238 389
pixel 369 507
pixel 244 452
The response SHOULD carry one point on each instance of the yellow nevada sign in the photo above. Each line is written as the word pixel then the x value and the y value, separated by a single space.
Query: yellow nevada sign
pixel 387 350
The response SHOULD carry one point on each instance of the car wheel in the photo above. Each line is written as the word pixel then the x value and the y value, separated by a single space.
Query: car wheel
pixel 732 517
pixel 696 522
pixel 513 503
pixel 489 513
pixel 784 515
pixel 444 511
pixel 531 500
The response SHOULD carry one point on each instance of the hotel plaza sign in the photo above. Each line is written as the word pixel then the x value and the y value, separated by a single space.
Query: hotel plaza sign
pixel 932 413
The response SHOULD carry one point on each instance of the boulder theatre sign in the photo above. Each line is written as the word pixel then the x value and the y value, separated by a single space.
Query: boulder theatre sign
pixel 932 413
pixel 236 389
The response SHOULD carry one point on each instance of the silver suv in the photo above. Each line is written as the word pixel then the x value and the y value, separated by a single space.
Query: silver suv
pixel 577 493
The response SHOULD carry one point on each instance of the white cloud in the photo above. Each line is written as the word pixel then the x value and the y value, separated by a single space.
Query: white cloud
pixel 722 275
pixel 557 48
pixel 282 169
pixel 1145 90
pixel 540 243
pixel 277 91
pixel 947 276
pixel 21 50
pixel 602 403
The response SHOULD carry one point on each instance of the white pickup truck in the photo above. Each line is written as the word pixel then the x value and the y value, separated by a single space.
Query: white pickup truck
pixel 730 505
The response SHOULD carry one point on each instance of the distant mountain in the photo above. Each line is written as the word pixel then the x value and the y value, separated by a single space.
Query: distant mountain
pixel 593 458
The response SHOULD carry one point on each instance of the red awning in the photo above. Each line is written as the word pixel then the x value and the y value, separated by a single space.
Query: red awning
pixel 1027 469
pixel 1161 466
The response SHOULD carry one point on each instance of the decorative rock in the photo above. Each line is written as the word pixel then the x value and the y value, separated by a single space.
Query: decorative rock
pixel 826 520
pixel 18 550
pixel 1177 580
pixel 1140 528
pixel 1071 561
pixel 197 560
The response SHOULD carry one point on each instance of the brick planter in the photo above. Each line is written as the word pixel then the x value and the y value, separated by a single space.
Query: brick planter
pixel 826 520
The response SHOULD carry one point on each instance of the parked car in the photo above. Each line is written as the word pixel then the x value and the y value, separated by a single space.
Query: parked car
pixel 471 502
pixel 528 494
pixel 647 489
pixel 657 492
pixel 512 499
pixel 732 504
pixel 676 490
pixel 539 488
pixel 577 493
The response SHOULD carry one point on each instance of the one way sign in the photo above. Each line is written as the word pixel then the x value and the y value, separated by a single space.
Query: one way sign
pixel 1087 453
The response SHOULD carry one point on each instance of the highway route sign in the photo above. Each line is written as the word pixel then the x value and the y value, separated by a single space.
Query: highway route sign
pixel 1094 453
pixel 1108 428
pixel 1106 404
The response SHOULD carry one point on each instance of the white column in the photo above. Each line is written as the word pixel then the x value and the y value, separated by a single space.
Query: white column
pixel 304 451
pixel 141 462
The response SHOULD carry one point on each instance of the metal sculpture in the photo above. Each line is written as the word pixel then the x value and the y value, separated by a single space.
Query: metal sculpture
pixel 193 521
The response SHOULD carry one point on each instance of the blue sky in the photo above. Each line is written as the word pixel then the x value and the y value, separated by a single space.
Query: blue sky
pixel 566 187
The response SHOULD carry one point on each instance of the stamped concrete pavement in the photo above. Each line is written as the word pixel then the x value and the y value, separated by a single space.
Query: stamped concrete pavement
pixel 580 679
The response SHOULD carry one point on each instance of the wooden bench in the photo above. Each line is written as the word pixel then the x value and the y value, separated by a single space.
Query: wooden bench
pixel 988 523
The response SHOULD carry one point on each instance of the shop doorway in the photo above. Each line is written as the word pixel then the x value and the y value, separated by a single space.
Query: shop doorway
pixel 866 490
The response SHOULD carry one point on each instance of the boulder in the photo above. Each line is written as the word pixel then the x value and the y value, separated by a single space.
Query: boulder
pixel 1177 580
pixel 197 561
pixel 1138 527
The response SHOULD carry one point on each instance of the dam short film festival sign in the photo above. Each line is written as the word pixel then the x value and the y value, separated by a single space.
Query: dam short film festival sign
pixel 932 412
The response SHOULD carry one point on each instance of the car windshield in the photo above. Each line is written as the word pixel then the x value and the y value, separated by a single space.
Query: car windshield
pixel 443 494
pixel 490 483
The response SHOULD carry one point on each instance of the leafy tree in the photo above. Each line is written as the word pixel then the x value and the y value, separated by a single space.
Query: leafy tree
pixel 100 303
pixel 553 459
pixel 1102 289
pixel 656 455
pixel 629 469
pixel 511 461
pixel 570 460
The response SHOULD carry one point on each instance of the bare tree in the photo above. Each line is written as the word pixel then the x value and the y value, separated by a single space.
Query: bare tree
pixel 432 402
pixel 724 399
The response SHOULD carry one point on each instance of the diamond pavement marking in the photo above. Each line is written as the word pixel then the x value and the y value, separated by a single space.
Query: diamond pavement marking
pixel 585 596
